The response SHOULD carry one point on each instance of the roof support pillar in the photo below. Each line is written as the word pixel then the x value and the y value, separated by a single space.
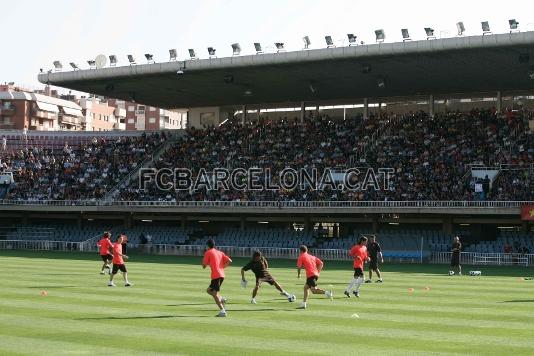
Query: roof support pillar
pixel 259 114
pixel 431 105
pixel 244 115
pixel 499 102
pixel 302 112
pixel 365 108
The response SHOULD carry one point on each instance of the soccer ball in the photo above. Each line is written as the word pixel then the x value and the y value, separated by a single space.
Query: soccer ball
pixel 291 298
pixel 475 273
pixel 451 273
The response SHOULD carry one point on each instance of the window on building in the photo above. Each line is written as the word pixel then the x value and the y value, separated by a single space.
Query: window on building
pixel 152 120
pixel 131 108
pixel 152 109
pixel 131 121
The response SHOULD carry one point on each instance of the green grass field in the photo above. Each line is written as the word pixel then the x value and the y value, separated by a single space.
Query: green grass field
pixel 168 312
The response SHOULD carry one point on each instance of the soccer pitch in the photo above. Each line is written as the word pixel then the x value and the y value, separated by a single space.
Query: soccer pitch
pixel 167 311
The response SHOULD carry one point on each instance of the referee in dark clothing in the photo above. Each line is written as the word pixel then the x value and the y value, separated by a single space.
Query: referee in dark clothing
pixel 455 257
pixel 375 254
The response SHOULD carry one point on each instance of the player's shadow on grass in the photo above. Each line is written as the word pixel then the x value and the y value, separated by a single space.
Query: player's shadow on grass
pixel 519 301
pixel 60 274
pixel 187 304
pixel 144 317
pixel 230 310
pixel 56 287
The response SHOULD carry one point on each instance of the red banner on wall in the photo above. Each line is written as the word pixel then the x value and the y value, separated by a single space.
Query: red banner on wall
pixel 527 212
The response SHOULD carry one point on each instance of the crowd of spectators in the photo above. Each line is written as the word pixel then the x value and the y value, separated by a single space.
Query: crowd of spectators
pixel 431 156
pixel 85 172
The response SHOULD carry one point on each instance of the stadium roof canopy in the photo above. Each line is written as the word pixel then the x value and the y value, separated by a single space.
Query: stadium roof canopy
pixel 470 64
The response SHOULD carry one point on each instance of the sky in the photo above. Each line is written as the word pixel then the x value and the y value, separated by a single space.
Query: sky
pixel 37 32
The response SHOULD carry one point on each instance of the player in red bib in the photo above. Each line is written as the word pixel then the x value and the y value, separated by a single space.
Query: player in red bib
pixel 313 267
pixel 359 253
pixel 118 263
pixel 217 261
pixel 104 246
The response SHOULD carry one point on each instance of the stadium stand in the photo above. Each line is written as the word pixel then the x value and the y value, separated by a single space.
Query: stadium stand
pixel 49 170
pixel 518 242
pixel 432 157
pixel 281 238
pixel 56 232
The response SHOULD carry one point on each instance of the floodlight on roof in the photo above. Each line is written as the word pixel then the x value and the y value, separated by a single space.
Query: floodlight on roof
pixel 306 41
pixel 461 28
pixel 513 25
pixel 352 39
pixel 149 58
pixel 380 36
pixel 173 55
pixel 74 66
pixel 485 28
pixel 279 47
pixel 112 60
pixel 92 63
pixel 405 35
pixel 257 47
pixel 211 52
pixel 329 42
pixel 58 66
pixel 192 53
pixel 131 59
pixel 236 49
pixel 429 33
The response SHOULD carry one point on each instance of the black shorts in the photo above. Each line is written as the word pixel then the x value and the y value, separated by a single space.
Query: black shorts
pixel 358 272
pixel 107 257
pixel 216 283
pixel 455 260
pixel 267 279
pixel 373 264
pixel 312 281
pixel 117 268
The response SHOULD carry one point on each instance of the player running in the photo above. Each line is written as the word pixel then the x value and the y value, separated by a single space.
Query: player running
pixel 359 253
pixel 455 257
pixel 260 267
pixel 217 261
pixel 104 246
pixel 118 263
pixel 375 255
pixel 313 267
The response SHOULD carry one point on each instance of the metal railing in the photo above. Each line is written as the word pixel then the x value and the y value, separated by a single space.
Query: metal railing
pixel 476 258
pixel 467 258
pixel 276 204
pixel 41 245
pixel 124 182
